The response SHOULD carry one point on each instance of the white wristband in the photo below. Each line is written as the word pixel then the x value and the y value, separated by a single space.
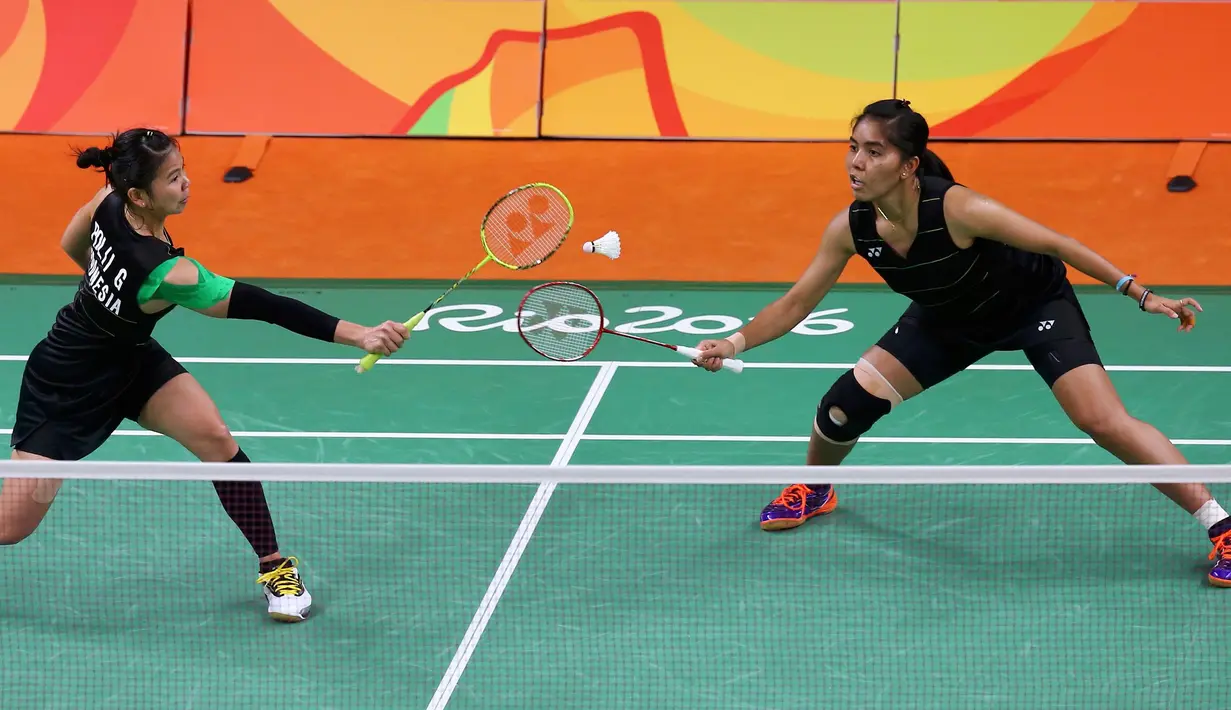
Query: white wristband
pixel 737 339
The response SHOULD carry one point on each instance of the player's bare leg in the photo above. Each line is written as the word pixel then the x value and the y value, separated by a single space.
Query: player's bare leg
pixel 182 410
pixel 24 502
pixel 1090 400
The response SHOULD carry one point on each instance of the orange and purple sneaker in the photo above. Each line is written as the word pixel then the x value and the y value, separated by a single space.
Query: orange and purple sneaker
pixel 799 502
pixel 1220 574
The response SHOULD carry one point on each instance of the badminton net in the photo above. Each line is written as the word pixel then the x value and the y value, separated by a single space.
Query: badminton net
pixel 616 587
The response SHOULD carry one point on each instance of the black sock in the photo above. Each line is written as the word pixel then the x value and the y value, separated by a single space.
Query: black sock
pixel 244 502
pixel 272 565
pixel 1220 527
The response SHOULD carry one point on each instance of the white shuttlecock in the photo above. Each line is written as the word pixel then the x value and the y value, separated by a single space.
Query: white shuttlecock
pixel 608 245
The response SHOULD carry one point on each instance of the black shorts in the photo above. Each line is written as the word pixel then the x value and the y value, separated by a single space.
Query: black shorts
pixel 1054 336
pixel 70 401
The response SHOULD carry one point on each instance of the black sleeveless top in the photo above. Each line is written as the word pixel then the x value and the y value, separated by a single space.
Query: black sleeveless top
pixel 987 283
pixel 104 313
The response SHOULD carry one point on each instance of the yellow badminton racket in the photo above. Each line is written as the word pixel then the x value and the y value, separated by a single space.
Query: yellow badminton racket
pixel 520 231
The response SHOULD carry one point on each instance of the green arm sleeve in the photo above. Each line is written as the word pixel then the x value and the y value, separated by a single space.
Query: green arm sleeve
pixel 209 289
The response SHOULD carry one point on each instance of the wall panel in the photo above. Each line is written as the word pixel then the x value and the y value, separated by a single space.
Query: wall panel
pixel 1053 69
pixel 366 67
pixel 91 67
pixel 725 69
pixel 721 69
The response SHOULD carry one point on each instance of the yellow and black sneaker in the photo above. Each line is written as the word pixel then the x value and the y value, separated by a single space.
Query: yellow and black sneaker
pixel 288 598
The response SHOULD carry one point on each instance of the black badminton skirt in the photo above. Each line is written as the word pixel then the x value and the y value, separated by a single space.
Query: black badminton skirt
pixel 71 400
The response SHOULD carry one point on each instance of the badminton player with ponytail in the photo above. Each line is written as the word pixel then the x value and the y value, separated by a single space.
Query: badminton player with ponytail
pixel 981 279
pixel 99 364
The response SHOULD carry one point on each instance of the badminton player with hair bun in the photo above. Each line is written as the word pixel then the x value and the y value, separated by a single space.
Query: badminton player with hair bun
pixel 99 363
pixel 981 278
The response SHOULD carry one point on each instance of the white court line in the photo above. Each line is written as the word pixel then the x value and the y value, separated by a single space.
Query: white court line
pixel 1075 441
pixel 520 540
pixel 572 440
pixel 429 435
pixel 387 362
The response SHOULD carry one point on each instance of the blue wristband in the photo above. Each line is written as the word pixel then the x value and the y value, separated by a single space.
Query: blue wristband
pixel 1127 279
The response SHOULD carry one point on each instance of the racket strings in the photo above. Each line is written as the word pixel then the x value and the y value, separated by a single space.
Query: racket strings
pixel 521 230
pixel 561 321
pixel 527 226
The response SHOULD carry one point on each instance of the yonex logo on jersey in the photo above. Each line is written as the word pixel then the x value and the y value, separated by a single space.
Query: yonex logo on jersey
pixel 1045 324
pixel 874 251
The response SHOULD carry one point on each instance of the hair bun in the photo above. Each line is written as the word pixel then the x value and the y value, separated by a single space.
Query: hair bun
pixel 89 158
pixel 93 157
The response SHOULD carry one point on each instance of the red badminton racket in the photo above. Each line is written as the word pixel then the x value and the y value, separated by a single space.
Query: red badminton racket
pixel 563 321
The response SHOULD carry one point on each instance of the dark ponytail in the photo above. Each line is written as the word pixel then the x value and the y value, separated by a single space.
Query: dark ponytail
pixel 131 161
pixel 931 164
pixel 908 131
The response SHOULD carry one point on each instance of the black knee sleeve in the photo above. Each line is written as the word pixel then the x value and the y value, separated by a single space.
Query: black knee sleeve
pixel 860 408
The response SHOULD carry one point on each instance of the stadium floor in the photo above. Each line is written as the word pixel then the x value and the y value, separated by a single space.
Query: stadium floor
pixel 142 594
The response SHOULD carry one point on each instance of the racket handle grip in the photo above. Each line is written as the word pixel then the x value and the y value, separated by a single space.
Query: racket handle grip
pixel 367 361
pixel 736 366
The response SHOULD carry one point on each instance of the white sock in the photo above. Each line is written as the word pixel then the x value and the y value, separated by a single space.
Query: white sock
pixel 1209 514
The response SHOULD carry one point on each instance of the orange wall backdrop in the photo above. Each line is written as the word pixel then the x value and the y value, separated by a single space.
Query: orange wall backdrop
pixel 756 69
pixel 700 211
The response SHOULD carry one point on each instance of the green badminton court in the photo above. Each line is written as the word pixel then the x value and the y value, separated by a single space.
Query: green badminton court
pixel 142 594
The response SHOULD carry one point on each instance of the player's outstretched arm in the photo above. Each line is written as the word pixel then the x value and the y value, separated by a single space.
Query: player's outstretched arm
pixel 76 238
pixel 187 283
pixel 970 215
pixel 775 320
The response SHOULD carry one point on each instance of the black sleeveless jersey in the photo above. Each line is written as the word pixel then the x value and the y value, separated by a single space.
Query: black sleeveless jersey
pixel 104 311
pixel 987 283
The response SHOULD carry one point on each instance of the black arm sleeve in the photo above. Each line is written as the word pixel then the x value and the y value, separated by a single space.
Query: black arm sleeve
pixel 250 302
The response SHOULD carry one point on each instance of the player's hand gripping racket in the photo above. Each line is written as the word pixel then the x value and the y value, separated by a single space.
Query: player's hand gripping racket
pixel 563 321
pixel 525 227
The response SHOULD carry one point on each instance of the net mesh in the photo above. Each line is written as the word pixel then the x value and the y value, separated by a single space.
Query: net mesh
pixel 561 321
pixel 616 587
pixel 527 226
